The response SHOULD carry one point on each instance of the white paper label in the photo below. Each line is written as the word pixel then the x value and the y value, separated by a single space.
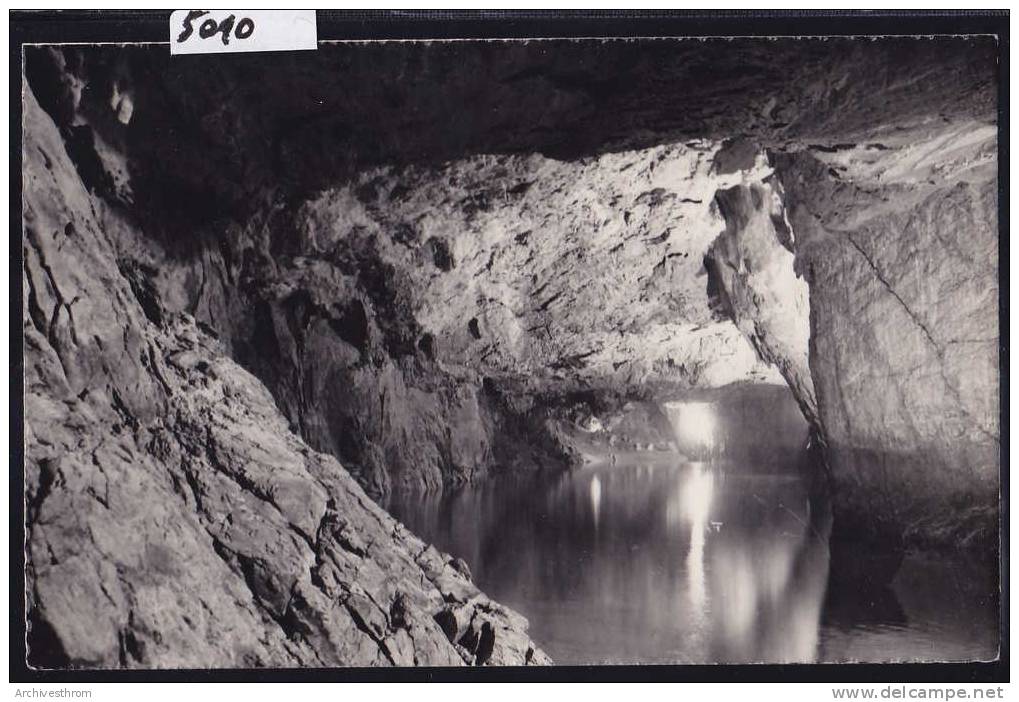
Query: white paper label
pixel 234 31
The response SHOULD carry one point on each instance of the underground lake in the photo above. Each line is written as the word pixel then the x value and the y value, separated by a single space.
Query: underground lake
pixel 656 558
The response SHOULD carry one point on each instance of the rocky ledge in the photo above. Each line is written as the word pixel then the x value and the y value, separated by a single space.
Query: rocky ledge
pixel 173 518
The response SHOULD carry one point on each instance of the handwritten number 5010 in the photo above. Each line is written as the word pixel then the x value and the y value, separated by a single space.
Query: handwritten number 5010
pixel 210 27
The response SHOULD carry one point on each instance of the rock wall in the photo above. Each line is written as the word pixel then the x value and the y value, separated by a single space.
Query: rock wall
pixel 900 250
pixel 412 306
pixel 751 265
pixel 897 242
pixel 173 520
pixel 574 273
pixel 393 316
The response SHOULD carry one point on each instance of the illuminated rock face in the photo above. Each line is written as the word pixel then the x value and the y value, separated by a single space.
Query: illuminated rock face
pixel 904 332
pixel 588 272
pixel 752 262
pixel 891 253
pixel 173 519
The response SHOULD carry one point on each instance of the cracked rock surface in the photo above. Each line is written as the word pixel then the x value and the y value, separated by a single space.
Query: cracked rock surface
pixel 173 518
pixel 890 254
pixel 582 273
pixel 423 322
pixel 904 347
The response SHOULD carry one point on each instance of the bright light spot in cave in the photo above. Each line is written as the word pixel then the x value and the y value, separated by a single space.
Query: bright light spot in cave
pixel 697 491
pixel 694 424
pixel 595 498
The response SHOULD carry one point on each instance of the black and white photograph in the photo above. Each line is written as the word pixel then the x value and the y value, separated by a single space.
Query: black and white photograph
pixel 508 351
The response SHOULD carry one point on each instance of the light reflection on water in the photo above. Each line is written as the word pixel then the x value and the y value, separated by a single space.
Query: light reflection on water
pixel 695 496
pixel 687 562
pixel 677 563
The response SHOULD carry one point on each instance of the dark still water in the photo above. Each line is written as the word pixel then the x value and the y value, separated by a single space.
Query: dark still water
pixel 660 559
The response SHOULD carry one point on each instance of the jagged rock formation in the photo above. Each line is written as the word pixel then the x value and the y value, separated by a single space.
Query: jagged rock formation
pixel 897 243
pixel 752 267
pixel 394 317
pixel 584 272
pixel 173 519
pixel 900 250
pixel 423 291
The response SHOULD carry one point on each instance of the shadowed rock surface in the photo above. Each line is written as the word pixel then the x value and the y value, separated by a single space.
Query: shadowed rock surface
pixel 174 520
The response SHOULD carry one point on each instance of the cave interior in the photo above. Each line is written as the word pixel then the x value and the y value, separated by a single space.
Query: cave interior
pixel 306 287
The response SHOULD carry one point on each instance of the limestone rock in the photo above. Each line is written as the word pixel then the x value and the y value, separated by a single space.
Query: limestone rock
pixel 897 246
pixel 173 518
pixel 758 287
pixel 905 338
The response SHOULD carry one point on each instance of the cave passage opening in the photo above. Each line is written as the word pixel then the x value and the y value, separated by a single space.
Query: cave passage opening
pixel 685 533
pixel 693 530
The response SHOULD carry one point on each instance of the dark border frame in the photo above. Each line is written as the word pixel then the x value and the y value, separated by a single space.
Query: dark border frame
pixel 151 26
